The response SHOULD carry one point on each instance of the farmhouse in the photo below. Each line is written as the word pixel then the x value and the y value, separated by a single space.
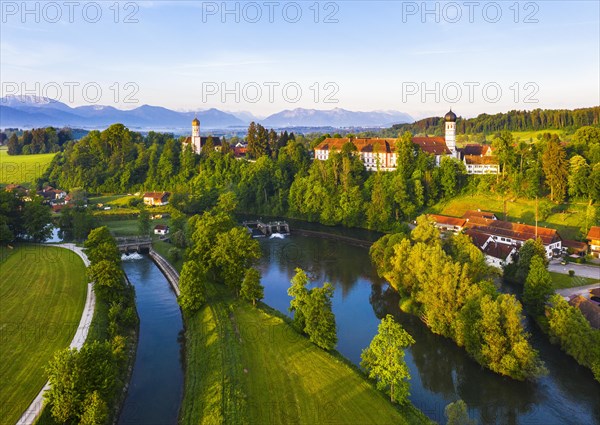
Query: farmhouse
pixel 379 153
pixel 593 238
pixel 161 229
pixel 156 198
pixel 448 224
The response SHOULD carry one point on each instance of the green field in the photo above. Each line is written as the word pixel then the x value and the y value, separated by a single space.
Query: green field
pixel 22 168
pixel 562 281
pixel 568 219
pixel 527 136
pixel 129 227
pixel 43 293
pixel 246 365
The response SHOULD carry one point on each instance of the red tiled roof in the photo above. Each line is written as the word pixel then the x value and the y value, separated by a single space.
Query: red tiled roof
pixel 450 221
pixel 476 159
pixel 161 227
pixel 575 245
pixel 431 145
pixel 594 233
pixel 476 149
pixel 588 308
pixel 520 232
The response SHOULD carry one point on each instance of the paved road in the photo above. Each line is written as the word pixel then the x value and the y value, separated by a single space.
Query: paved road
pixel 579 290
pixel 580 270
pixel 35 408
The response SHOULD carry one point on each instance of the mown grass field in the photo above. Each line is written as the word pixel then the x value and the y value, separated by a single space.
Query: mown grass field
pixel 129 227
pixel 567 219
pixel 562 281
pixel 18 169
pixel 42 297
pixel 246 365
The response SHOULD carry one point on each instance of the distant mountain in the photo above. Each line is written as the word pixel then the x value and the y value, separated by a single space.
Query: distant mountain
pixel 335 118
pixel 33 111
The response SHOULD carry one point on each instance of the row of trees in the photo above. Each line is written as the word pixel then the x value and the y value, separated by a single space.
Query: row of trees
pixel 85 383
pixel 39 140
pixel 536 119
pixel 447 284
pixel 565 324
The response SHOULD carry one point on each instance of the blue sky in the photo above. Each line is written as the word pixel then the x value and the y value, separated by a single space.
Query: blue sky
pixel 371 56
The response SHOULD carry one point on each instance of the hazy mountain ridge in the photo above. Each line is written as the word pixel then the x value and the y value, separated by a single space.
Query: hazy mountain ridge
pixel 34 111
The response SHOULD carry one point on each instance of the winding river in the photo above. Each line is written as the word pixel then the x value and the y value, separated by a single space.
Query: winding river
pixel 441 372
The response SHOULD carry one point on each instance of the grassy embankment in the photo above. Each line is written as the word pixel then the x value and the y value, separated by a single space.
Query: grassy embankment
pixel 43 293
pixel 562 281
pixel 568 219
pixel 22 169
pixel 247 365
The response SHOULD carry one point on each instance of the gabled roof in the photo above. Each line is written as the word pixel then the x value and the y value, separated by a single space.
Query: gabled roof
pixel 498 250
pixel 161 227
pixel 156 195
pixel 575 245
pixel 470 214
pixel 588 308
pixel 517 231
pixel 449 221
pixel 365 144
pixel 432 145
pixel 480 160
pixel 478 238
pixel 476 149
pixel 594 233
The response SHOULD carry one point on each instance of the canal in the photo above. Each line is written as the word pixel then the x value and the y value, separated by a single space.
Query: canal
pixel 156 386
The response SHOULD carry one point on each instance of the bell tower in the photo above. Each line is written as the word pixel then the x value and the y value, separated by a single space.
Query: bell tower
pixel 196 140
pixel 450 131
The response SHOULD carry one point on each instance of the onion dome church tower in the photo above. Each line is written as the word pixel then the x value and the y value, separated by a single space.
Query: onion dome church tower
pixel 450 131
pixel 196 140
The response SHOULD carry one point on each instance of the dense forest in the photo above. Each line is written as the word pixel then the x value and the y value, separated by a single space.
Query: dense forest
pixel 537 119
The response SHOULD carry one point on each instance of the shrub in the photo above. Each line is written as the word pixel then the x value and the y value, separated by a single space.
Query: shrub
pixel 571 273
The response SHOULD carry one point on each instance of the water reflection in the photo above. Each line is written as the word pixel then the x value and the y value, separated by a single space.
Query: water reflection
pixel 441 371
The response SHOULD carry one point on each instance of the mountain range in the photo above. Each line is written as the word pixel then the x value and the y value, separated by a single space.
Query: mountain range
pixel 34 111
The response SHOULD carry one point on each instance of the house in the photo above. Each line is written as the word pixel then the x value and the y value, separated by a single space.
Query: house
pixel 15 188
pixel 156 198
pixel 498 254
pixel 479 164
pixel 161 229
pixel 593 238
pixel 448 224
pixel 574 248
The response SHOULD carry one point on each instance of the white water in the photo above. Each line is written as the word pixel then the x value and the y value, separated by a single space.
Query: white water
pixel 277 236
pixel 131 257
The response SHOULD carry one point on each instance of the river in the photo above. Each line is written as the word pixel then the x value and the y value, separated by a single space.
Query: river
pixel 441 372
pixel 156 386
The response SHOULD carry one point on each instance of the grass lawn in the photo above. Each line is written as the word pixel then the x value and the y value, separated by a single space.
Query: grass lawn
pixel 567 219
pixel 22 168
pixel 246 365
pixel 42 297
pixel 113 200
pixel 526 136
pixel 163 248
pixel 562 281
pixel 129 227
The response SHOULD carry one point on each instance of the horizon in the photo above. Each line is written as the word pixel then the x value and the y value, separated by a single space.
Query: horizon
pixel 252 57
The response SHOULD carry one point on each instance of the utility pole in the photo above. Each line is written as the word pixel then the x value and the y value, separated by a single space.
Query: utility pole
pixel 536 217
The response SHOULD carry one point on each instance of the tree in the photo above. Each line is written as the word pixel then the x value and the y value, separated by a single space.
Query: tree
pixel 526 253
pixel 95 410
pixel 504 149
pixel 108 278
pixel 384 359
pixel 320 320
pixel 425 231
pixel 299 294
pixel 538 286
pixel 144 222
pixel 233 253
pixel 64 395
pixel 579 171
pixel 14 147
pixel 36 220
pixel 556 170
pixel 252 290
pixel 457 414
pixel 192 284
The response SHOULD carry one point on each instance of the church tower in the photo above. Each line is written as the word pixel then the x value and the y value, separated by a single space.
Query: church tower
pixel 196 140
pixel 450 131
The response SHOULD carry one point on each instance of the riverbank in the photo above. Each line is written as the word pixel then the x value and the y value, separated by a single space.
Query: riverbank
pixel 247 364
